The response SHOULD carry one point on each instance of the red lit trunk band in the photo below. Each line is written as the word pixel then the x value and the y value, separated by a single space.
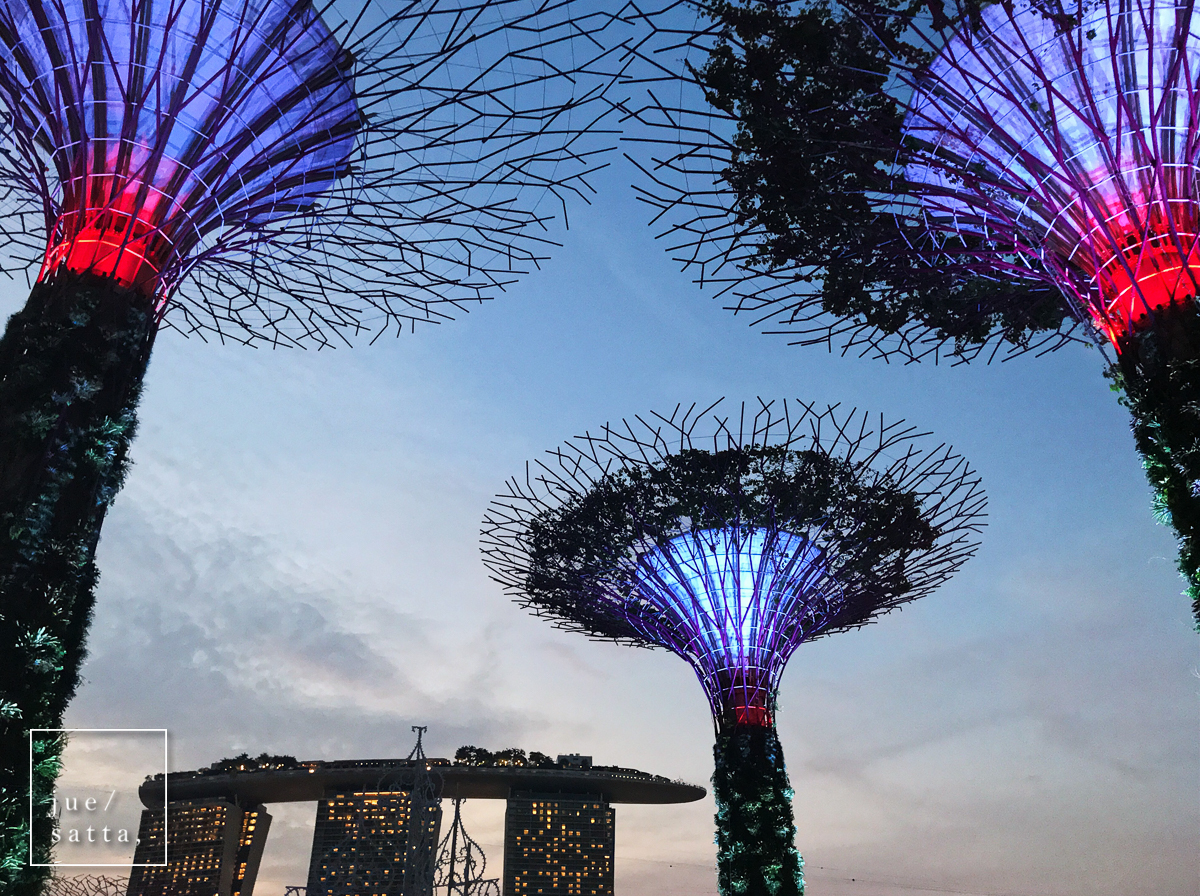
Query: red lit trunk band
pixel 1151 274
pixel 122 240
pixel 753 715
pixel 745 696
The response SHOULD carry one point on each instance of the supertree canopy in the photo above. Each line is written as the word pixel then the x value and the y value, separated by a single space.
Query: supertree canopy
pixel 275 171
pixel 163 129
pixel 291 172
pixel 936 179
pixel 1063 151
pixel 730 540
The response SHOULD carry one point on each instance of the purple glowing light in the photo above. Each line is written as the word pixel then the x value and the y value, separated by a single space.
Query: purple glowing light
pixel 737 603
pixel 1067 152
pixel 730 536
pixel 162 121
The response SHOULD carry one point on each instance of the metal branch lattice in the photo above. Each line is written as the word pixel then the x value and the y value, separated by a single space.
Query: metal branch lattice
pixel 1064 146
pixel 87 885
pixel 683 147
pixel 1047 159
pixel 730 537
pixel 681 144
pixel 291 172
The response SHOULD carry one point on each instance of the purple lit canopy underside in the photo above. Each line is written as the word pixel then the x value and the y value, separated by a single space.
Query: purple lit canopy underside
pixel 735 603
pixel 222 113
pixel 1061 147
pixel 731 535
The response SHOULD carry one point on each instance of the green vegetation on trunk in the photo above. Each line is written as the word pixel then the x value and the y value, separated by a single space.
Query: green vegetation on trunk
pixel 1158 370
pixel 756 831
pixel 71 368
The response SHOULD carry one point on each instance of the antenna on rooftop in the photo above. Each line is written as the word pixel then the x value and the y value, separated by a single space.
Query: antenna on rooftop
pixel 418 751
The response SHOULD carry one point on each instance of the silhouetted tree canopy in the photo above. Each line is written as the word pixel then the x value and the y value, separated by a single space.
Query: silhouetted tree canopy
pixel 585 543
pixel 814 169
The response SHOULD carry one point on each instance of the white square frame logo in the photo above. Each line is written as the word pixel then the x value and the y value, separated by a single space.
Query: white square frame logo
pixel 163 863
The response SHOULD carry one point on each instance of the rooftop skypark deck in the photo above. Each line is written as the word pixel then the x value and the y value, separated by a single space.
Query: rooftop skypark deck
pixel 310 781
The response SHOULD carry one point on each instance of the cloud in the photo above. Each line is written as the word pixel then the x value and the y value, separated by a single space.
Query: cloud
pixel 223 640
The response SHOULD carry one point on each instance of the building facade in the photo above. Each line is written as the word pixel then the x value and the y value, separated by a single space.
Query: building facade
pixel 374 843
pixel 251 843
pixel 558 844
pixel 377 822
pixel 213 849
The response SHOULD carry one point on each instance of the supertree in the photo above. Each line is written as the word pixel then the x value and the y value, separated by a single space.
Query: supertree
pixel 952 179
pixel 273 171
pixel 729 540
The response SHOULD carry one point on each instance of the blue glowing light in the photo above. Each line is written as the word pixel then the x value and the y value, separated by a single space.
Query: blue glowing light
pixel 737 603
pixel 1069 152
pixel 165 120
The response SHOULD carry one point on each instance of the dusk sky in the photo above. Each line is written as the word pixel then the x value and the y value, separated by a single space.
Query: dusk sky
pixel 293 567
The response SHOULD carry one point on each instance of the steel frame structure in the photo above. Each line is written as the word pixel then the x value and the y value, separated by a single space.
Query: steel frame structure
pixel 730 536
pixel 297 173
pixel 1082 139
pixel 87 885
pixel 683 146
pixel 736 594
pixel 1045 144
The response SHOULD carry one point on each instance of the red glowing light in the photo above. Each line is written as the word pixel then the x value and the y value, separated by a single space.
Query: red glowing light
pixel 745 696
pixel 123 240
pixel 753 715
pixel 1149 275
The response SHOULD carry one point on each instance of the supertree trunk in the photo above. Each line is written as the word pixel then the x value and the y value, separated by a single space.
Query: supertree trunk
pixel 731 536
pixel 756 831
pixel 73 361
pixel 1158 369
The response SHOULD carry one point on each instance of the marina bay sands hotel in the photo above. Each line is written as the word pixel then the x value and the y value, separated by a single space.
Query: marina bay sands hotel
pixel 378 821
